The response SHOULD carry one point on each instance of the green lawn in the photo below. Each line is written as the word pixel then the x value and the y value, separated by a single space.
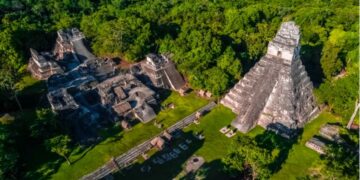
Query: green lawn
pixel 118 142
pixel 38 161
pixel 356 121
pixel 212 149
pixel 216 145
pixel 29 86
pixel 301 158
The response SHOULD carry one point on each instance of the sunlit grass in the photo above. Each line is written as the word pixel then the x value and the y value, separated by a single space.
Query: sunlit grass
pixel 30 85
pixel 121 141
pixel 214 147
pixel 302 158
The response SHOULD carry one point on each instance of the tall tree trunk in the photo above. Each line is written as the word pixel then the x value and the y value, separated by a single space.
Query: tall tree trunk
pixel 67 159
pixel 17 101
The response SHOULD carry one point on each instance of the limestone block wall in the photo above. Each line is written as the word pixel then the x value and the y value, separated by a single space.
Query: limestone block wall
pixel 277 89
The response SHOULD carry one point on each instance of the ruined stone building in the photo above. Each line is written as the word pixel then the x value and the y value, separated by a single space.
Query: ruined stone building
pixel 61 100
pixel 316 145
pixel 69 52
pixel 89 92
pixel 100 68
pixel 73 96
pixel 162 72
pixel 70 44
pixel 63 46
pixel 125 94
pixel 330 132
pixel 42 66
pixel 277 92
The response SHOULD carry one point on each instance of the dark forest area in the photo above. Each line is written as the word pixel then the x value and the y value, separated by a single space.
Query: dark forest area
pixel 213 43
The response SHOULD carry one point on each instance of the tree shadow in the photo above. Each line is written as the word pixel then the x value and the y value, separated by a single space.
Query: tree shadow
pixel 33 95
pixel 270 140
pixel 213 170
pixel 49 163
pixel 40 168
pixel 163 94
pixel 310 56
pixel 83 152
pixel 29 97
pixel 45 163
pixel 38 39
pixel 169 169
pixel 171 29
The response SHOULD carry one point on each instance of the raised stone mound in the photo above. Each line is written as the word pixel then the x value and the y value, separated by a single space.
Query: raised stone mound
pixel 42 65
pixel 277 90
pixel 162 72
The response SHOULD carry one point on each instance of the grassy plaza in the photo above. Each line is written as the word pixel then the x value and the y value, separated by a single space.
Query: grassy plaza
pixel 116 141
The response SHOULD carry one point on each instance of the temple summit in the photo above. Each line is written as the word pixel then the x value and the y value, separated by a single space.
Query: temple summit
pixel 277 92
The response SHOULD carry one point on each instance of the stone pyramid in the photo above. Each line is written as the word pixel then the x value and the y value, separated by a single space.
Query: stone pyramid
pixel 277 91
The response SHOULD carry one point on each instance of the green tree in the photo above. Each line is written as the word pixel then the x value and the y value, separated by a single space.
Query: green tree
pixel 247 159
pixel 340 163
pixel 125 37
pixel 8 154
pixel 330 62
pixel 340 95
pixel 8 79
pixel 44 125
pixel 216 80
pixel 229 63
pixel 338 50
pixel 60 145
pixel 10 55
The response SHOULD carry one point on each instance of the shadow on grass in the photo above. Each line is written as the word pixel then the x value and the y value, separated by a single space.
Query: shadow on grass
pixel 163 95
pixel 43 164
pixel 34 95
pixel 167 170
pixel 30 96
pixel 270 141
pixel 109 135
pixel 40 168
pixel 37 87
pixel 83 152
pixel 213 170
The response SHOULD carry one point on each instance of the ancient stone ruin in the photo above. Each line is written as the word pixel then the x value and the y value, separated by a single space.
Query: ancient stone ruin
pixel 316 144
pixel 88 92
pixel 277 92
pixel 124 94
pixel 162 72
pixel 42 66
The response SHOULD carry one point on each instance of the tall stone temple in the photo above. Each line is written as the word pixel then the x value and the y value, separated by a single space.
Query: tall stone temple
pixel 277 92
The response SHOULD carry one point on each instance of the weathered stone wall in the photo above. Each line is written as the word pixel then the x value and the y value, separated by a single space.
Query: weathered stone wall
pixel 277 89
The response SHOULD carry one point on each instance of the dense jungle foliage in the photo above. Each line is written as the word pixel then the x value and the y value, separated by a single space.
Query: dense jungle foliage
pixel 213 42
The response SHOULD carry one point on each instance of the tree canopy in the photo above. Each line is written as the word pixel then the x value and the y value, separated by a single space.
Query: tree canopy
pixel 340 95
pixel 341 160
pixel 59 145
pixel 9 156
pixel 205 38
pixel 213 43
pixel 248 160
